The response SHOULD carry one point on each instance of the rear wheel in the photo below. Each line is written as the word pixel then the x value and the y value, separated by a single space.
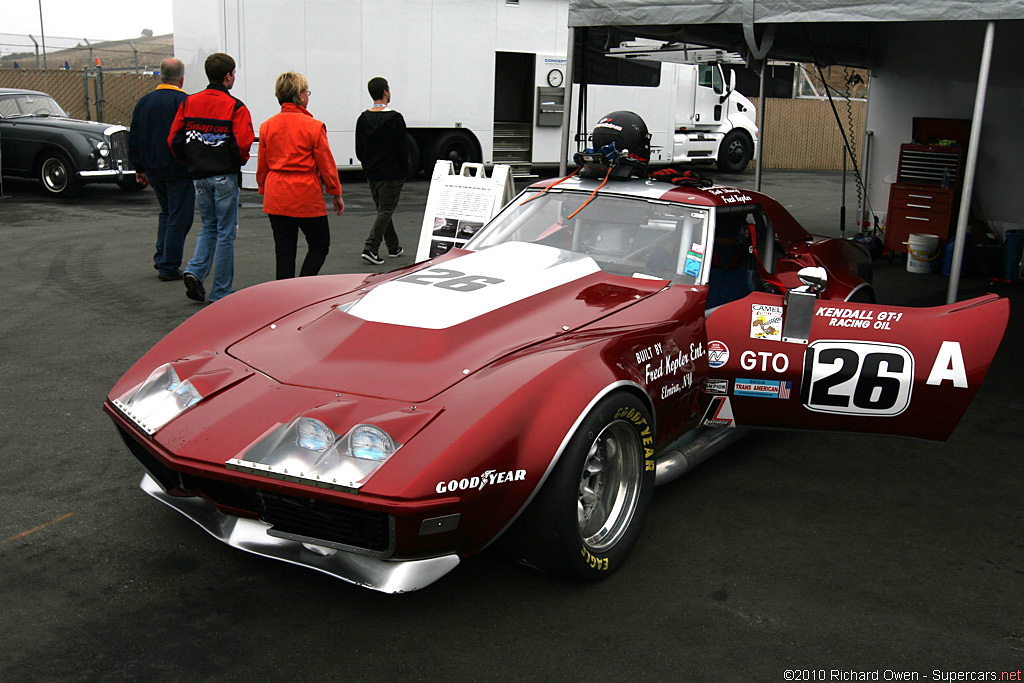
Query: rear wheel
pixel 455 146
pixel 736 151
pixel 591 510
pixel 58 175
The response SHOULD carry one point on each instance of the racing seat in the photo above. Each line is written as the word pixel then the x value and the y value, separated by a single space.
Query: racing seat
pixel 733 270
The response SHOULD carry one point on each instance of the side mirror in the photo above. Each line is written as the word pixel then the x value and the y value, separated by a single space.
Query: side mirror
pixel 732 80
pixel 814 277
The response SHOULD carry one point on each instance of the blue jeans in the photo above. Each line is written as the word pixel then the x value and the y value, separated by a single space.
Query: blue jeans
pixel 177 197
pixel 217 198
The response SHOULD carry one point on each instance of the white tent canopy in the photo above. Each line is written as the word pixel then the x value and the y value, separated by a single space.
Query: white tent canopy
pixel 928 58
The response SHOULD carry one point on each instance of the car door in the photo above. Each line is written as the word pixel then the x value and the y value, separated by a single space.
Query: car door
pixel 800 362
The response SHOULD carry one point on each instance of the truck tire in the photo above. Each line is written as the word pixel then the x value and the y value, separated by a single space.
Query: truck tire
pixel 589 514
pixel 735 152
pixel 455 146
pixel 414 156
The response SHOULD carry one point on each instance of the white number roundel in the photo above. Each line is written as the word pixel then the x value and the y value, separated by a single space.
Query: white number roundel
pixel 857 378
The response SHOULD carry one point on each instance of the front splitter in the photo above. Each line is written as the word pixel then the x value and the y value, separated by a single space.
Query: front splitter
pixel 250 535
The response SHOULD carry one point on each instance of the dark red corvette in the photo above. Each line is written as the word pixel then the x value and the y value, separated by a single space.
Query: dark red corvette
pixel 535 386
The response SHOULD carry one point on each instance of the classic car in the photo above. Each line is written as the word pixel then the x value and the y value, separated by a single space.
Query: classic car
pixel 591 341
pixel 39 140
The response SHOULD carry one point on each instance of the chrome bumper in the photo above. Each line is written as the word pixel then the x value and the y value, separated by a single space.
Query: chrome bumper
pixel 251 535
pixel 117 173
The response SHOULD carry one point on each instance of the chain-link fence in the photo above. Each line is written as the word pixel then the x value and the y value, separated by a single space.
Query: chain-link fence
pixel 59 52
pixel 89 94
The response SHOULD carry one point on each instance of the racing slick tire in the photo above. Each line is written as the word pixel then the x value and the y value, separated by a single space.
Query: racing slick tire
pixel 456 146
pixel 735 152
pixel 590 512
pixel 57 175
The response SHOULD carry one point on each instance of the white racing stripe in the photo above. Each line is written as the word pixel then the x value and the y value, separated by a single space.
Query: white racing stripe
pixel 467 287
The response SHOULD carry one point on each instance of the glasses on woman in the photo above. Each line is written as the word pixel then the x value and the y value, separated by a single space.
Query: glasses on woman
pixel 308 92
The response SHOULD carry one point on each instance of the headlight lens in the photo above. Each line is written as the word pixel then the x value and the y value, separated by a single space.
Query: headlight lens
pixel 310 452
pixel 370 443
pixel 103 147
pixel 159 399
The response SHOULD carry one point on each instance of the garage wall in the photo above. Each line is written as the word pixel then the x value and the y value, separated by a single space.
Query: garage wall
pixel 931 70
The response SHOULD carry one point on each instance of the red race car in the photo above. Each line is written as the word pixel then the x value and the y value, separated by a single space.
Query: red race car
pixel 588 344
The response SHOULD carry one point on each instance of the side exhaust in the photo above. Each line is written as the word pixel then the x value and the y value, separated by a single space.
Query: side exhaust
pixel 692 449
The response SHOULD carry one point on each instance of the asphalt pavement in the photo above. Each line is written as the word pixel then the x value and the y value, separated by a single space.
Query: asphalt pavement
pixel 831 555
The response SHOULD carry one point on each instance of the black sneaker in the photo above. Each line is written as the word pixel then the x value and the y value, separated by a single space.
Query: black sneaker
pixel 395 253
pixel 169 277
pixel 194 287
pixel 369 257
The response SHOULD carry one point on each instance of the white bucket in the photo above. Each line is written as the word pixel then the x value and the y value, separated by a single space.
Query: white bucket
pixel 922 252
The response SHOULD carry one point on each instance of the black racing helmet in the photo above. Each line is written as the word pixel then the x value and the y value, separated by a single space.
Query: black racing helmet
pixel 628 133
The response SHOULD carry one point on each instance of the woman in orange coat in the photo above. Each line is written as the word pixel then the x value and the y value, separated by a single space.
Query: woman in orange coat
pixel 294 159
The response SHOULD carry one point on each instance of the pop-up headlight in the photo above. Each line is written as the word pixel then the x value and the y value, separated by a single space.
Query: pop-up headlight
pixel 309 452
pixel 159 399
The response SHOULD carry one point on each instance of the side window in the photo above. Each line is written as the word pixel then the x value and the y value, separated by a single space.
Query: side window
pixel 716 80
pixel 705 76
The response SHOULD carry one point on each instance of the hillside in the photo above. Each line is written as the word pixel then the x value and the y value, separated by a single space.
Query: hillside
pixel 113 54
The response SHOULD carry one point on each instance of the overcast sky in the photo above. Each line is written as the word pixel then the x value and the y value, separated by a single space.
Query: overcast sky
pixel 95 19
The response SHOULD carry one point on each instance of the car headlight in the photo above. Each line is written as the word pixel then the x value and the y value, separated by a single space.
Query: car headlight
pixel 103 147
pixel 159 399
pixel 101 163
pixel 309 452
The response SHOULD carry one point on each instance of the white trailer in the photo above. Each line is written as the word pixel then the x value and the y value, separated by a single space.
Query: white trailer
pixel 476 80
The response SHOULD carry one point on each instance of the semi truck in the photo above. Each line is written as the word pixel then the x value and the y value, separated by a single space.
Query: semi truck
pixel 480 81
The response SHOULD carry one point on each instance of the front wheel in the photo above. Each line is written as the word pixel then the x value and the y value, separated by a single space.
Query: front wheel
pixel 58 175
pixel 736 151
pixel 591 510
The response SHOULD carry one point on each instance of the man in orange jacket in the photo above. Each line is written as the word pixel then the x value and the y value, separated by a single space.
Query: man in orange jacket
pixel 295 163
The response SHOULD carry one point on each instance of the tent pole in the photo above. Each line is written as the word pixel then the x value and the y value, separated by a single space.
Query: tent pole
pixel 760 126
pixel 563 158
pixel 972 162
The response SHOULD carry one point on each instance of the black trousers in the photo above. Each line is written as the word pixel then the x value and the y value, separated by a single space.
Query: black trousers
pixel 286 238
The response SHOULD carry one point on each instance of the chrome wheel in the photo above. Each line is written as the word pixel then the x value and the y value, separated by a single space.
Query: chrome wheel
pixel 55 175
pixel 609 486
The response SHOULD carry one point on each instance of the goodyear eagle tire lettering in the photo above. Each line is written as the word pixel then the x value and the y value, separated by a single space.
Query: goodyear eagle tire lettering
pixel 589 515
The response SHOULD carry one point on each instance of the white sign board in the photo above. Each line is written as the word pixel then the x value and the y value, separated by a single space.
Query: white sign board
pixel 459 204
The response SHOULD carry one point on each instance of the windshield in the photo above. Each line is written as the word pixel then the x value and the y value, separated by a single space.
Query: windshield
pixel 12 106
pixel 625 235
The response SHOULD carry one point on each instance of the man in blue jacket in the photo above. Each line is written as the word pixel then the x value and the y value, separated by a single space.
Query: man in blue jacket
pixel 154 164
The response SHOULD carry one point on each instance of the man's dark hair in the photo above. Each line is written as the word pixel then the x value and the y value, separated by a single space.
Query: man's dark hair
pixel 218 66
pixel 377 86
pixel 171 70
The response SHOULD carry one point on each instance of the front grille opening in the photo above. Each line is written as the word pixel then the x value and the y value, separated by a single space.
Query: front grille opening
pixel 315 518
pixel 165 476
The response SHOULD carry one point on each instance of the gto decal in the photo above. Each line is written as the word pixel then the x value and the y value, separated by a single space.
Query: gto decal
pixel 779 361
pixel 479 482
pixel 857 378
pixel 450 279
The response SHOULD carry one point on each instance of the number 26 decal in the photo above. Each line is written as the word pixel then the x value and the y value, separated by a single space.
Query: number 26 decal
pixel 451 279
pixel 857 378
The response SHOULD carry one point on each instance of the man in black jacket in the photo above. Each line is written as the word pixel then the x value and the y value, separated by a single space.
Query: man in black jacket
pixel 383 151
pixel 154 164
pixel 212 133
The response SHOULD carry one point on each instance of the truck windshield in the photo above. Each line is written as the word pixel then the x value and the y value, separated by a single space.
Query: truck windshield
pixel 629 236
pixel 13 106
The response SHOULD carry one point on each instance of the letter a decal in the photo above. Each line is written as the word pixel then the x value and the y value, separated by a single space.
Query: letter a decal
pixel 949 364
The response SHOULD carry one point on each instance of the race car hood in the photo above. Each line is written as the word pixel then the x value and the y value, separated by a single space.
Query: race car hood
pixel 411 337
